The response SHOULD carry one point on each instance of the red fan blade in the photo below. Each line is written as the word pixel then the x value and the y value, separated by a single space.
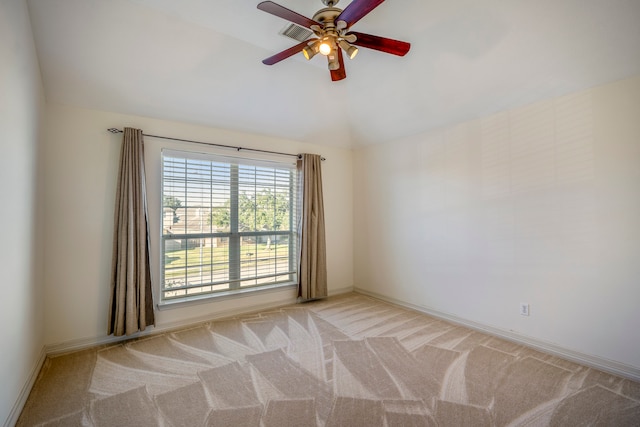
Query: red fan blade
pixel 383 44
pixel 340 73
pixel 356 10
pixel 284 13
pixel 286 53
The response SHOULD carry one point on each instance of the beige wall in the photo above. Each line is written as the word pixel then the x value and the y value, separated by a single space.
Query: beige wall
pixel 21 103
pixel 537 205
pixel 81 168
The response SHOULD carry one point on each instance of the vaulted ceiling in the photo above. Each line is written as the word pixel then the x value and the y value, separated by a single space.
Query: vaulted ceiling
pixel 199 61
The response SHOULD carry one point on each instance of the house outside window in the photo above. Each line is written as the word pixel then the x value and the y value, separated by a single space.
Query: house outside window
pixel 228 225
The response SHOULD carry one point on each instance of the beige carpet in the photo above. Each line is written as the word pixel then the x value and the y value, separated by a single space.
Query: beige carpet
pixel 346 361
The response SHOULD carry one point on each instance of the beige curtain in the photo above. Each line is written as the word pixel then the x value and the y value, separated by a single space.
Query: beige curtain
pixel 131 305
pixel 312 264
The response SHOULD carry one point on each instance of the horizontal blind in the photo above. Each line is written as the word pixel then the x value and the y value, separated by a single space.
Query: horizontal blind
pixel 227 224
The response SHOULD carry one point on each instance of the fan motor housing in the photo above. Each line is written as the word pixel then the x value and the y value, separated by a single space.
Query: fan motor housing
pixel 327 15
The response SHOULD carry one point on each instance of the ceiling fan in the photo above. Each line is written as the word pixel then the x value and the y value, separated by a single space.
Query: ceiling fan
pixel 332 28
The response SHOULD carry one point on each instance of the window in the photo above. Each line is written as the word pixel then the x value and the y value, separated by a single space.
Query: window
pixel 227 224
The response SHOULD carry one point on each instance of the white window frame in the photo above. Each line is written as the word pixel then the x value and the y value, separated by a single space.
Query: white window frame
pixel 236 282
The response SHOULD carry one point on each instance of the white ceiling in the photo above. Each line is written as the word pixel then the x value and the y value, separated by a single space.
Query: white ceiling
pixel 199 61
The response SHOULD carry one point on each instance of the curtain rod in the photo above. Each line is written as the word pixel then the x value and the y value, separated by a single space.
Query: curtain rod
pixel 298 156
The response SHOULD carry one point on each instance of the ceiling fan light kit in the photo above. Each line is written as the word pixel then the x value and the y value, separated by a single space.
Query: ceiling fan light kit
pixel 333 61
pixel 349 49
pixel 326 46
pixel 332 28
pixel 310 51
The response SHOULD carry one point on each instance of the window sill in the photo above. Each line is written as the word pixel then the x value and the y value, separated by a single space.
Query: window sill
pixel 221 296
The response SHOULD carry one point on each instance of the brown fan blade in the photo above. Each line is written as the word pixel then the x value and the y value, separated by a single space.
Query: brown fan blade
pixel 383 44
pixel 286 53
pixel 284 13
pixel 340 73
pixel 356 10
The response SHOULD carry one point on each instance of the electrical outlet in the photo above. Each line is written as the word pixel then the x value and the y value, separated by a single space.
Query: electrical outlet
pixel 524 309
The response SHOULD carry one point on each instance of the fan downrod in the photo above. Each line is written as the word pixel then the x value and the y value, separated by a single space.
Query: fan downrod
pixel 330 3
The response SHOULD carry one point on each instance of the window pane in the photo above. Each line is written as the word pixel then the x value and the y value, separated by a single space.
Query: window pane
pixel 248 256
pixel 220 218
pixel 225 226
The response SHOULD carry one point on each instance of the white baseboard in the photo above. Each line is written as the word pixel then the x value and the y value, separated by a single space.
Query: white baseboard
pixel 26 389
pixel 341 291
pixel 84 343
pixel 606 365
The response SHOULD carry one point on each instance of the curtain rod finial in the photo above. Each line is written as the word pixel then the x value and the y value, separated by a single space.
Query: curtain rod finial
pixel 114 130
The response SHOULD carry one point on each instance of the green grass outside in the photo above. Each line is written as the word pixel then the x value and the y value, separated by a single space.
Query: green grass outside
pixel 190 258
